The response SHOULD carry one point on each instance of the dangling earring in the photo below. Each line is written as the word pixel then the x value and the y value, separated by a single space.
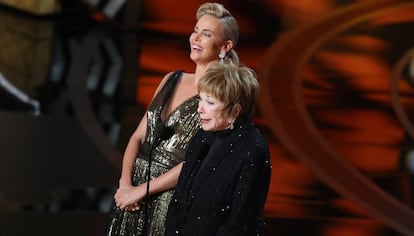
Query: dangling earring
pixel 231 126
pixel 222 55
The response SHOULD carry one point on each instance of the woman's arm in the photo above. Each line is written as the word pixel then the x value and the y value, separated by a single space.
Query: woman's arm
pixel 134 144
pixel 132 196
pixel 131 151
pixel 128 194
pixel 249 197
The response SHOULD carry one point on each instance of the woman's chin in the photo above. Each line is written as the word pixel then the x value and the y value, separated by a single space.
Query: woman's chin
pixel 206 127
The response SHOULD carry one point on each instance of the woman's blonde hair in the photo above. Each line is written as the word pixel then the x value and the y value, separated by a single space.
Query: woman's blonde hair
pixel 229 23
pixel 231 84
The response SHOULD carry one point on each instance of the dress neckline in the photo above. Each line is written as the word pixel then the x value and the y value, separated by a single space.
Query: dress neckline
pixel 167 117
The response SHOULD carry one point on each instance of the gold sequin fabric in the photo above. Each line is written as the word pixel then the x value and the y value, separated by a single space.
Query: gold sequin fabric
pixel 185 121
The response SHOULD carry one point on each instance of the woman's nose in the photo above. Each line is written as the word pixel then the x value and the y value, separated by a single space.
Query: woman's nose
pixel 197 36
pixel 200 108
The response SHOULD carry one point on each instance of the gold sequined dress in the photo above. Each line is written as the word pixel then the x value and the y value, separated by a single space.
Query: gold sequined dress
pixel 184 120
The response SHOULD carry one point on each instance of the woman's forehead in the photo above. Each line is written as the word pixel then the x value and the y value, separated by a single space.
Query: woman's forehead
pixel 210 23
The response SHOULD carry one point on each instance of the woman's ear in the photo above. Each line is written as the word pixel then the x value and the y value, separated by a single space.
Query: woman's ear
pixel 236 110
pixel 227 46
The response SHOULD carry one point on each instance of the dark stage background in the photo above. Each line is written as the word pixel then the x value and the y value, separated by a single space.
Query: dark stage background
pixel 336 107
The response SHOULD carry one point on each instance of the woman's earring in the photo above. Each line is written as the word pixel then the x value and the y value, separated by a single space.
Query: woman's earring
pixel 231 126
pixel 222 55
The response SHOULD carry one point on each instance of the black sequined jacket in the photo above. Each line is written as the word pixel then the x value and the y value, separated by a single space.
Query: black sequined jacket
pixel 225 193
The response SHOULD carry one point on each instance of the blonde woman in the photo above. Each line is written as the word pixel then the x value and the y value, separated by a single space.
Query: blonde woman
pixel 174 106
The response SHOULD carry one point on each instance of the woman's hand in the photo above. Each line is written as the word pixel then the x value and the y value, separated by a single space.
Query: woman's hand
pixel 130 197
pixel 135 207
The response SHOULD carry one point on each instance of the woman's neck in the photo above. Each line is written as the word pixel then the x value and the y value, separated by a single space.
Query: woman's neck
pixel 201 69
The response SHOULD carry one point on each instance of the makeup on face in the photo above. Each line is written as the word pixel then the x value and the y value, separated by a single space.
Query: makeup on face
pixel 206 40
pixel 212 115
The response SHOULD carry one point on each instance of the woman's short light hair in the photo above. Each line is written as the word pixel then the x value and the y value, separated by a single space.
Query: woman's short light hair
pixel 231 84
pixel 229 23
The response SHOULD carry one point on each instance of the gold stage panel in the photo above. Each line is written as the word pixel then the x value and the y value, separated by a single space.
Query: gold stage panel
pixel 36 7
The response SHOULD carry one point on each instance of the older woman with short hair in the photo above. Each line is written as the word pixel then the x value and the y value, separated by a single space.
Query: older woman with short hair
pixel 225 178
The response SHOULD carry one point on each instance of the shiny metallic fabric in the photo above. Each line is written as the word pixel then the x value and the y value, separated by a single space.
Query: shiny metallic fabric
pixel 185 121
